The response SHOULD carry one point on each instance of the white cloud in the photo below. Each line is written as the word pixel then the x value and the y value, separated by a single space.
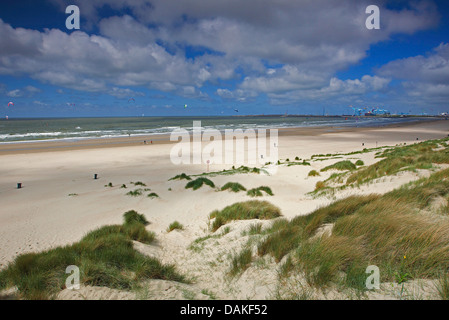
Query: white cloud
pixel 432 68
pixel 14 93
pixel 122 93
pixel 425 78
pixel 289 49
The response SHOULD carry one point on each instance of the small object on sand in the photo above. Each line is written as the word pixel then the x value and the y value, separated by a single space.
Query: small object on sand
pixel 144 141
pixel 19 185
pixel 95 176
pixel 363 143
pixel 417 138
pixel 261 156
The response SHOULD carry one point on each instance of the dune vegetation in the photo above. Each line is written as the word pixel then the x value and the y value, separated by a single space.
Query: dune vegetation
pixel 105 257
pixel 252 209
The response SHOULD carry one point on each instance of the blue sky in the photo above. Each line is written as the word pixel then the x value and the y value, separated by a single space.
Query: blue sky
pixel 257 56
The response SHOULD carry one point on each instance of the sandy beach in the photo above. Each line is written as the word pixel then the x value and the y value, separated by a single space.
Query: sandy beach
pixel 60 201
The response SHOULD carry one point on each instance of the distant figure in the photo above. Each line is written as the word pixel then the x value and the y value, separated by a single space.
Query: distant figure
pixel 363 144
pixel 151 141
pixel 144 141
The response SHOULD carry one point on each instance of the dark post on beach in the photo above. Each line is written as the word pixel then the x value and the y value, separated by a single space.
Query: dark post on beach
pixel 95 176
pixel 19 185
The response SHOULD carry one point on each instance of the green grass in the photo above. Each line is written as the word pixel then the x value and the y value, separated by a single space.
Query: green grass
pixel 313 173
pixel 255 228
pixel 105 257
pixel 239 170
pixel 253 209
pixel 368 230
pixel 198 244
pixel 153 195
pixel 341 165
pixel 301 163
pixel 180 177
pixel 359 163
pixel 240 261
pixel 139 183
pixel 443 287
pixel 286 236
pixel 257 192
pixel 132 216
pixel 233 186
pixel 403 158
pixel 135 193
pixel 198 183
pixel 175 225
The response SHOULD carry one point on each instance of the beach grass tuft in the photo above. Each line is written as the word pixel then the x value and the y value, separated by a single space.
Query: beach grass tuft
pixel 252 209
pixel 233 186
pixel 257 192
pixel 105 257
pixel 313 173
pixel 341 165
pixel 139 183
pixel 135 193
pixel 241 261
pixel 175 225
pixel 198 183
pixel 153 195
pixel 132 216
pixel 180 177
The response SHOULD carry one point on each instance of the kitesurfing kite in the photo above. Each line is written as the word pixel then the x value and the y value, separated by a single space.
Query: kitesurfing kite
pixel 185 106
pixel 236 110
pixel 10 103
pixel 131 99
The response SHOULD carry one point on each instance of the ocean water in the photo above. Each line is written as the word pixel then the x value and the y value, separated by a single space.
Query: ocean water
pixel 37 129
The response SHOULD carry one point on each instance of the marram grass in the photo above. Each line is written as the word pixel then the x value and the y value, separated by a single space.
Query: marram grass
pixel 253 209
pixel 388 231
pixel 105 257
pixel 198 183
pixel 233 186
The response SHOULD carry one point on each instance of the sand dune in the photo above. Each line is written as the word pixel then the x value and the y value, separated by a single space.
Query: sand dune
pixel 60 201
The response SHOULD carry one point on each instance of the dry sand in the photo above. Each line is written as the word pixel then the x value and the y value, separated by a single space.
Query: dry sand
pixel 60 202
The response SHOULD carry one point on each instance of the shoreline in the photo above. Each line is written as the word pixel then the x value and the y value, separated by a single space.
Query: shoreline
pixel 23 147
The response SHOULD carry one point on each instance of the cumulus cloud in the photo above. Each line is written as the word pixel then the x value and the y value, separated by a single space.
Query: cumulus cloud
pixel 336 91
pixel 425 78
pixel 280 48
pixel 432 68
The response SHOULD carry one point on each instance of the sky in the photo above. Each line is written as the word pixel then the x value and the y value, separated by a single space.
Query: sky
pixel 222 57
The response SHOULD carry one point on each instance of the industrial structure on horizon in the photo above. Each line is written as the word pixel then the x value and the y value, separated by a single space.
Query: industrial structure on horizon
pixel 369 112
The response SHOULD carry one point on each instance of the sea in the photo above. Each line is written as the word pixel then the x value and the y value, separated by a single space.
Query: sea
pixel 50 129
